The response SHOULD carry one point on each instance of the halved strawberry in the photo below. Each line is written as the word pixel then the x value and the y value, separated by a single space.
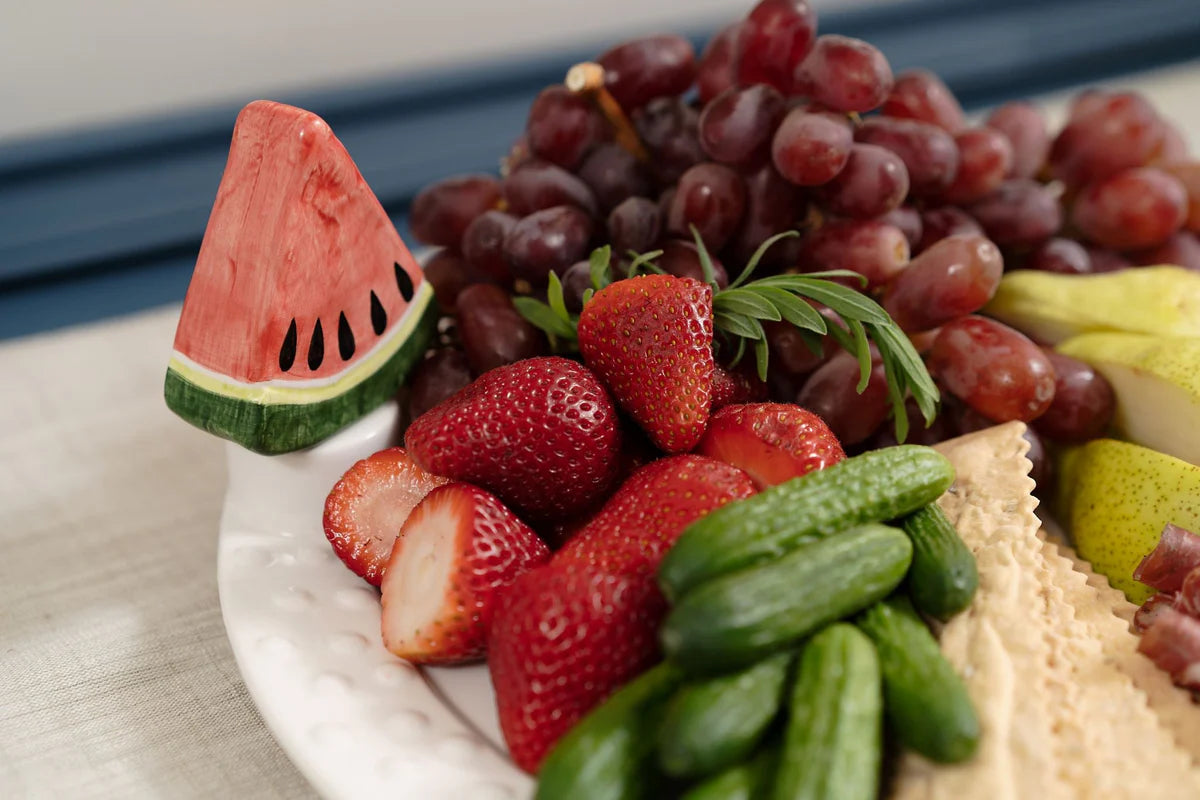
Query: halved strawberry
pixel 457 549
pixel 566 636
pixel 772 442
pixel 365 509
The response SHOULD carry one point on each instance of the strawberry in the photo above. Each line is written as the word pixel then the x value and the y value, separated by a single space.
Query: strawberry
pixel 541 434
pixel 736 385
pixel 458 548
pixel 365 509
pixel 649 338
pixel 566 636
pixel 645 516
pixel 773 442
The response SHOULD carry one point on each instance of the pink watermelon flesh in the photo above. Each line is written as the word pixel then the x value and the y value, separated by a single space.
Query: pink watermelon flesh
pixel 300 274
pixel 301 271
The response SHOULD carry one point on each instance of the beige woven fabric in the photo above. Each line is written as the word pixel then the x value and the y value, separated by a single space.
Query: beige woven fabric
pixel 116 679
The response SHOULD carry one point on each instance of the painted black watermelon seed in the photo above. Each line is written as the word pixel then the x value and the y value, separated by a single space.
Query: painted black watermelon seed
pixel 316 347
pixel 287 350
pixel 404 282
pixel 378 315
pixel 345 338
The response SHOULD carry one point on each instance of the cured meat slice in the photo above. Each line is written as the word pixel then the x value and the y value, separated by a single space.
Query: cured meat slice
pixel 1149 610
pixel 1177 554
pixel 1188 599
pixel 1173 643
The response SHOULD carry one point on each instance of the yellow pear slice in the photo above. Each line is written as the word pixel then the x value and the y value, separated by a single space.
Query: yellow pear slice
pixel 1157 384
pixel 1115 499
pixel 1051 307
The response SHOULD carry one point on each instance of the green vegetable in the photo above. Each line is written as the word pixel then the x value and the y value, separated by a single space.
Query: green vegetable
pixel 943 577
pixel 927 704
pixel 875 486
pixel 609 755
pixel 736 619
pixel 832 748
pixel 745 781
pixel 715 723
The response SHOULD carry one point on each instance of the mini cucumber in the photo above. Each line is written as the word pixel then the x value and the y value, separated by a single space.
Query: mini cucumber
pixel 872 487
pixel 745 781
pixel 715 723
pixel 927 704
pixel 833 744
pixel 943 577
pixel 609 754
pixel 736 619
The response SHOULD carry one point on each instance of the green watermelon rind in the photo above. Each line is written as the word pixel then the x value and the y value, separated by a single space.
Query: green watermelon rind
pixel 276 428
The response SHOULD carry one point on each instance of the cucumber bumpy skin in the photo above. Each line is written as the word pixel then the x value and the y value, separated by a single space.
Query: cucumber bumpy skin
pixel 834 740
pixel 927 704
pixel 716 723
pixel 609 754
pixel 872 487
pixel 736 619
pixel 943 577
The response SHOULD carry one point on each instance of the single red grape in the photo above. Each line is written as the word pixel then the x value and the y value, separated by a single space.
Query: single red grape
pixel 668 127
pixel 1021 213
pixel 442 373
pixel 993 368
pixel 772 206
pixel 547 241
pixel 942 221
pixel 442 211
pixel 539 184
pixel 576 280
pixel 985 159
pixel 1083 401
pixel 448 274
pixel 1181 249
pixel 613 174
pixel 873 249
pixel 921 95
pixel 563 126
pixel 1064 256
pixel 639 71
pixel 635 224
pixel 908 220
pixel 1188 173
pixel 492 331
pixel 711 197
pixel 810 149
pixel 954 277
pixel 844 74
pixel 831 393
pixel 1025 128
pixel 773 40
pixel 1132 209
pixel 716 71
pixel 483 245
pixel 1107 133
pixel 737 126
pixel 681 259
pixel 873 182
pixel 928 152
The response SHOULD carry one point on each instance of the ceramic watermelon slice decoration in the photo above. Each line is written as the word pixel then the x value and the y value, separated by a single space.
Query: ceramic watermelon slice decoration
pixel 305 310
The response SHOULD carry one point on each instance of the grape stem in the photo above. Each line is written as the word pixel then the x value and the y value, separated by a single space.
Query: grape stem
pixel 587 78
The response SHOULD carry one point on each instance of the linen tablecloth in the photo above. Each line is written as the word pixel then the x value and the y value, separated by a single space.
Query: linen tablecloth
pixel 116 679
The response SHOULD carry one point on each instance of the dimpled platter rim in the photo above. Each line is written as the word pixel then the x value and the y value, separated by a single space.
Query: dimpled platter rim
pixel 355 720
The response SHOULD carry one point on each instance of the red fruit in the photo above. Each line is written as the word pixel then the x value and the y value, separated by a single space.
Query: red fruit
pixel 772 442
pixel 365 509
pixel 649 339
pixel 640 522
pixel 458 548
pixel 565 636
pixel 541 434
pixel 738 385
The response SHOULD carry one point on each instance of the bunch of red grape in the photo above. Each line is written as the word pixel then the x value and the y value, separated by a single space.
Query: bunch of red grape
pixel 769 131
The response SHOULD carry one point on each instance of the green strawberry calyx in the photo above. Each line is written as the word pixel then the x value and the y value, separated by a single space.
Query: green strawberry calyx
pixel 740 309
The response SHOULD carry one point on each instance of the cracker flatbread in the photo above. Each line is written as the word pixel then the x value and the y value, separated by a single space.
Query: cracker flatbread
pixel 1060 717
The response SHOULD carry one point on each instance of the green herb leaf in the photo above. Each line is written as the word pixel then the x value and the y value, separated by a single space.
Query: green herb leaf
pixel 815 342
pixel 587 295
pixel 752 264
pixel 645 261
pixel 543 317
pixel 598 266
pixel 909 364
pixel 554 295
pixel 706 265
pixel 761 354
pixel 743 301
pixel 895 381
pixel 848 303
pixel 838 273
pixel 738 325
pixel 740 352
pixel 862 349
pixel 792 308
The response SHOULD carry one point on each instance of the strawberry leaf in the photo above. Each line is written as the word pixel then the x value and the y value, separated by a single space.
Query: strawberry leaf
pixel 554 296
pixel 742 301
pixel 645 261
pixel 587 295
pixel 542 316
pixel 752 264
pixel 706 265
pixel 598 266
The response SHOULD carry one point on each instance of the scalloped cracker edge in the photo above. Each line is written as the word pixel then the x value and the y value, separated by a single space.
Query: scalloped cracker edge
pixel 1060 716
